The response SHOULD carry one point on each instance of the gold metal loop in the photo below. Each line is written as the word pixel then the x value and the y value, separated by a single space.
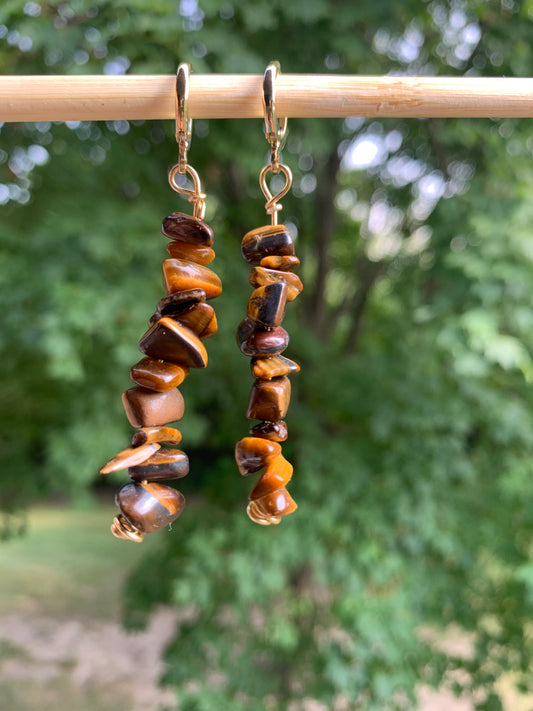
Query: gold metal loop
pixel 183 122
pixel 275 127
pixel 271 206
pixel 194 195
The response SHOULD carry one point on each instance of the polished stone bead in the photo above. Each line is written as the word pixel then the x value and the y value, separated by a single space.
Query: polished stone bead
pixel 190 252
pixel 277 503
pixel 266 241
pixel 165 464
pixel 253 453
pixel 165 435
pixel 261 277
pixel 274 431
pixel 150 507
pixel 273 367
pixel 254 341
pixel 284 264
pixel 170 341
pixel 130 457
pixel 267 304
pixel 199 318
pixel 277 475
pixel 156 374
pixel 180 275
pixel 146 408
pixel 174 303
pixel 269 399
pixel 186 228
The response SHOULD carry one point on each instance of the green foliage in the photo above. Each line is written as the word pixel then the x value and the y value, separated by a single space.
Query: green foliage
pixel 411 421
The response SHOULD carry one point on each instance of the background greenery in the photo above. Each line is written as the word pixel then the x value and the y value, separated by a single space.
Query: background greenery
pixel 410 425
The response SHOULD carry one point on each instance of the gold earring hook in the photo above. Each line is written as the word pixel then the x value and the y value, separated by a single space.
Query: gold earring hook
pixel 275 128
pixel 183 122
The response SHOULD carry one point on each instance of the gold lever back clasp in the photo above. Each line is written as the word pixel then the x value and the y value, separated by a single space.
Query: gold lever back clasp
pixel 183 139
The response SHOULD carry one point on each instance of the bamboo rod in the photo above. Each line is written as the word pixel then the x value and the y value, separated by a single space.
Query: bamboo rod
pixel 96 98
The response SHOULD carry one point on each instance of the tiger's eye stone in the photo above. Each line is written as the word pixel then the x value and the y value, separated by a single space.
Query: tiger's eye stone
pixel 277 474
pixel 284 263
pixel 170 341
pixel 165 464
pixel 253 453
pixel 261 277
pixel 277 503
pixel 147 408
pixel 175 303
pixel 266 241
pixel 273 367
pixel 199 318
pixel 269 399
pixel 254 341
pixel 147 435
pixel 186 228
pixel 190 252
pixel 156 374
pixel 150 507
pixel 130 457
pixel 274 431
pixel 267 304
pixel 180 275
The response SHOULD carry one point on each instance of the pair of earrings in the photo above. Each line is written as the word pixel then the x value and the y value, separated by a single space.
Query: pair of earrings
pixel 173 344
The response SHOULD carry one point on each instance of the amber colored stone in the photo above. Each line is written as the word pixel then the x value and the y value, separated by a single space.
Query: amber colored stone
pixel 284 263
pixel 273 367
pixel 277 475
pixel 175 303
pixel 274 431
pixel 267 304
pixel 130 457
pixel 200 318
pixel 164 435
pixel 180 275
pixel 277 503
pixel 269 399
pixel 165 464
pixel 156 374
pixel 253 453
pixel 150 507
pixel 186 228
pixel 261 277
pixel 169 340
pixel 255 341
pixel 266 241
pixel 147 408
pixel 190 252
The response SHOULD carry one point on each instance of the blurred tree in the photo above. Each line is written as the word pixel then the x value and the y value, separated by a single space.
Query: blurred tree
pixel 411 426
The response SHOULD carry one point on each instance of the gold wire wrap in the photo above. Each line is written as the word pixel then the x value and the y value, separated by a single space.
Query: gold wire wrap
pixel 122 528
pixel 257 516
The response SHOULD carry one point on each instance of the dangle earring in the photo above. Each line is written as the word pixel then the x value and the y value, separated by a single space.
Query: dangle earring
pixel 171 346
pixel 270 251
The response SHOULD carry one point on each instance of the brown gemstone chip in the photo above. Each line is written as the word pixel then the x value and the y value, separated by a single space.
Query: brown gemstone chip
pixel 284 263
pixel 267 304
pixel 180 275
pixel 147 408
pixel 255 341
pixel 170 341
pixel 277 474
pixel 156 374
pixel 261 277
pixel 269 399
pixel 130 457
pixel 175 303
pixel 200 318
pixel 165 435
pixel 266 241
pixel 165 464
pixel 273 367
pixel 186 228
pixel 274 431
pixel 148 506
pixel 277 503
pixel 191 252
pixel 253 453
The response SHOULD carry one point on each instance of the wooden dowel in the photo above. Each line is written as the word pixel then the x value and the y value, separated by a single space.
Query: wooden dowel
pixel 96 98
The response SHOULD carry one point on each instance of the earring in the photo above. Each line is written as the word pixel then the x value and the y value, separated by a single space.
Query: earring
pixel 270 250
pixel 171 346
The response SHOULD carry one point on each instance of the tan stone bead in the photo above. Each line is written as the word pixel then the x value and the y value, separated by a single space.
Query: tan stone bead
pixel 171 341
pixel 277 475
pixel 130 457
pixel 277 503
pixel 267 304
pixel 180 275
pixel 260 276
pixel 156 374
pixel 274 431
pixel 150 506
pixel 284 263
pixel 165 464
pixel 187 228
pixel 190 252
pixel 199 318
pixel 164 435
pixel 147 408
pixel 273 367
pixel 269 399
pixel 266 241
pixel 253 453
